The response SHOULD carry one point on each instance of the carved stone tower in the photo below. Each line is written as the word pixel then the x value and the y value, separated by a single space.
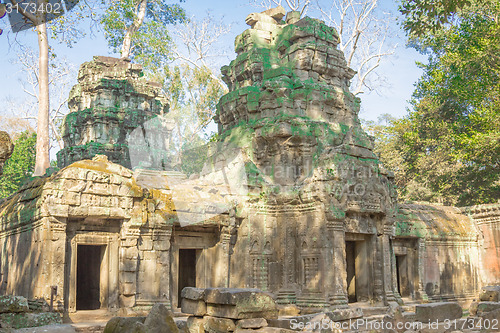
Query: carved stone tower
pixel 318 219
pixel 110 101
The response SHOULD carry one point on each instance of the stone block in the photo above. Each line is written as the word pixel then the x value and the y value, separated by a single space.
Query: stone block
pixel 345 314
pixel 490 294
pixel 473 308
pixel 127 301
pixel 438 311
pixel 13 304
pixel 160 320
pixel 240 303
pixel 195 324
pixel 489 319
pixel 218 325
pixel 252 323
pixel 125 325
pixel 196 308
pixel 273 330
pixel 234 296
pixel 485 307
pixel 194 294
pixel 288 310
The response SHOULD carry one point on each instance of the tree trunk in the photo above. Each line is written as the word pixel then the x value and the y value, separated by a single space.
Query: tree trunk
pixel 42 161
pixel 139 19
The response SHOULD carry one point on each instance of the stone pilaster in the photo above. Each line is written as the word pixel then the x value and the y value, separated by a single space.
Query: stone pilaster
pixel 336 274
pixel 56 244
pixel 421 294
pixel 129 254
pixel 394 274
pixel 287 293
pixel 161 244
pixel 387 254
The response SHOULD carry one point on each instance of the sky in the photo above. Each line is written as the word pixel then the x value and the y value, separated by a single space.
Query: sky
pixel 400 70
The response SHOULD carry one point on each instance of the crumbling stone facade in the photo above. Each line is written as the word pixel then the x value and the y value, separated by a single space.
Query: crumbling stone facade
pixel 292 200
pixel 316 189
pixel 110 100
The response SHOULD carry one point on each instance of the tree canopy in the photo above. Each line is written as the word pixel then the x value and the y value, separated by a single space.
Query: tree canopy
pixel 20 165
pixel 448 146
pixel 138 28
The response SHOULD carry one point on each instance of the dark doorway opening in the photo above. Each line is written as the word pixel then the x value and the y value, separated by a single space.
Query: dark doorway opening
pixel 88 276
pixel 402 276
pixel 350 253
pixel 187 271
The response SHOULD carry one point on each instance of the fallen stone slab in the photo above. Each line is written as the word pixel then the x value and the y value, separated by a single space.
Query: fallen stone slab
pixel 25 320
pixel 492 319
pixel 490 294
pixel 264 330
pixel 485 307
pixel 438 311
pixel 195 308
pixel 218 325
pixel 193 301
pixel 240 303
pixel 195 294
pixel 13 304
pixel 252 323
pixel 345 314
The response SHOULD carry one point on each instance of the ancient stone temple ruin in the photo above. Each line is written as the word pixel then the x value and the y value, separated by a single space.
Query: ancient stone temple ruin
pixel 317 225
pixel 291 200
pixel 110 100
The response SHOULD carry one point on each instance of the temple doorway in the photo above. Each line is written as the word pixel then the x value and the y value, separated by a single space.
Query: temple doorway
pixel 88 276
pixel 402 275
pixel 187 271
pixel 358 266
pixel 350 251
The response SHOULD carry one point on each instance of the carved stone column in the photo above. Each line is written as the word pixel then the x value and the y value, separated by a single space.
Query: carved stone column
pixel 337 274
pixel 56 244
pixel 421 293
pixel 387 254
pixel 129 254
pixel 161 245
pixel 287 293
pixel 394 273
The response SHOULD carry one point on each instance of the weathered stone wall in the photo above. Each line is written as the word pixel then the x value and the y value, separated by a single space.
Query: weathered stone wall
pixel 110 100
pixel 447 256
pixel 94 203
pixel 487 219
pixel 6 149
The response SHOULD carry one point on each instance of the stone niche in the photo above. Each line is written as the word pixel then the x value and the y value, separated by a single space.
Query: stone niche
pixel 110 101
pixel 316 190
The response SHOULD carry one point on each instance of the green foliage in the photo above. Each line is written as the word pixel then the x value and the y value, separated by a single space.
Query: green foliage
pixel 422 16
pixel 448 148
pixel 20 166
pixel 152 43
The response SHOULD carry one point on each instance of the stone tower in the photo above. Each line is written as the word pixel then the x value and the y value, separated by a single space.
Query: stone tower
pixel 110 101
pixel 317 224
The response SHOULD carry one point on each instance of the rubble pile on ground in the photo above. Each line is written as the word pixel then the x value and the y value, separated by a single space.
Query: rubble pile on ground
pixel 15 313
pixel 219 310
